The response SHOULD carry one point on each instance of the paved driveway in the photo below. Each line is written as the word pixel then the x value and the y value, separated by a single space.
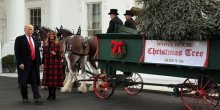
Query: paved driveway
pixel 10 100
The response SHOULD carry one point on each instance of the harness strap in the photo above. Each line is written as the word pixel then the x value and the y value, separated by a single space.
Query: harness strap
pixel 78 54
pixel 75 52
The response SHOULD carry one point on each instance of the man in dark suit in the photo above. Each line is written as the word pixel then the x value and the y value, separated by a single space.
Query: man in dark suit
pixel 129 21
pixel 114 20
pixel 28 61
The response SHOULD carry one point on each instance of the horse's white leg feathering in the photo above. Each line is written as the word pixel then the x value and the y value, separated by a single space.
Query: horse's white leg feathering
pixel 65 80
pixel 68 85
pixel 96 72
pixel 83 87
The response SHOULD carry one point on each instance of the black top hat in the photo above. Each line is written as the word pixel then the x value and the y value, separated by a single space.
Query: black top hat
pixel 113 11
pixel 128 12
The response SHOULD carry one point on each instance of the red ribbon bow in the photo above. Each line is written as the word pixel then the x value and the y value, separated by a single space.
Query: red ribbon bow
pixel 117 46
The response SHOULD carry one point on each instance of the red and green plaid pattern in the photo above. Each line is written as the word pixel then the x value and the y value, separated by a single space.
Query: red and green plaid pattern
pixel 53 74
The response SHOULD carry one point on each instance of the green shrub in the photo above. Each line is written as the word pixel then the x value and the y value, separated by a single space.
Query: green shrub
pixel 9 61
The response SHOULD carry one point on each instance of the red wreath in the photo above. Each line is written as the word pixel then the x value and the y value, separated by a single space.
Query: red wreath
pixel 118 49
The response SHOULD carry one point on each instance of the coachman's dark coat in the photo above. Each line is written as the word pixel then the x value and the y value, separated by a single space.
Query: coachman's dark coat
pixel 112 24
pixel 53 73
pixel 23 56
pixel 131 24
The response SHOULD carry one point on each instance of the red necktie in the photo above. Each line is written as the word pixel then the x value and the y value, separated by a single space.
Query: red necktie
pixel 32 49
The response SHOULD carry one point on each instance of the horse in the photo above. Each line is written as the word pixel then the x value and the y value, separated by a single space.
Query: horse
pixel 37 35
pixel 92 42
pixel 43 32
pixel 76 50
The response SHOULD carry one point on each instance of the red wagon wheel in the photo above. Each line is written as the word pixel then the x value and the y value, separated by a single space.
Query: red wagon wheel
pixel 103 86
pixel 200 93
pixel 134 84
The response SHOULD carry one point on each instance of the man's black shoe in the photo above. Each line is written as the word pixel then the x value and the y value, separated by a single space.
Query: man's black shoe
pixel 49 98
pixel 38 102
pixel 26 101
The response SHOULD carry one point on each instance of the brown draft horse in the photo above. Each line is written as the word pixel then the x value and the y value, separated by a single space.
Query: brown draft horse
pixel 77 50
pixel 64 33
pixel 43 32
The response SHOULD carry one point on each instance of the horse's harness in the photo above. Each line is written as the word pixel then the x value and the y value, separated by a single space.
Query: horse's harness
pixel 78 54
pixel 74 53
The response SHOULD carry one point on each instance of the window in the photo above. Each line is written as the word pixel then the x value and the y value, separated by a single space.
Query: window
pixel 94 25
pixel 35 17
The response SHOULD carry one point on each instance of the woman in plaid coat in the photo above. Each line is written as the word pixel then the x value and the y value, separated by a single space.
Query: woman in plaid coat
pixel 52 60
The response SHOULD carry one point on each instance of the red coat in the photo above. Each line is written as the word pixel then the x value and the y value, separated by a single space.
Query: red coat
pixel 53 74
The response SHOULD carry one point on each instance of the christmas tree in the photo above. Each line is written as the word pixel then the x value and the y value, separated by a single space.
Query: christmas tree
pixel 179 19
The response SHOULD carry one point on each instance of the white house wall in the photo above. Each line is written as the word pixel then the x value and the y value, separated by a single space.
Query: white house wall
pixel 15 21
pixel 2 22
pixel 69 13
pixel 2 29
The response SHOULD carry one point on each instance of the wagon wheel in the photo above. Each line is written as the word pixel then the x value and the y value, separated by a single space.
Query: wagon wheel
pixel 200 93
pixel 103 86
pixel 134 84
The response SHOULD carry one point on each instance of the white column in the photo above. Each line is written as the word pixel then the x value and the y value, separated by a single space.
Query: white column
pixel 15 21
pixel 54 13
pixel 15 18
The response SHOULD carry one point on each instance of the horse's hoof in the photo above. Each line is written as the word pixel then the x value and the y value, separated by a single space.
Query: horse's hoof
pixel 63 90
pixel 43 87
pixel 91 88
pixel 69 91
pixel 82 90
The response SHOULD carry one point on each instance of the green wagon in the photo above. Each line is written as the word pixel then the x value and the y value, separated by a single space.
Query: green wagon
pixel 127 52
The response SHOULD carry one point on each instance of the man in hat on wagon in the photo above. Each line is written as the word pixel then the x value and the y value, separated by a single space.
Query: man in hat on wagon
pixel 129 20
pixel 114 20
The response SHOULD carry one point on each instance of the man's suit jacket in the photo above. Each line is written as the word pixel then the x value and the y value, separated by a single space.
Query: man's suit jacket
pixel 112 24
pixel 23 56
pixel 131 24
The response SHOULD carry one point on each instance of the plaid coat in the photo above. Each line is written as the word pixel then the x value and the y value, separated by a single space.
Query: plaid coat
pixel 53 74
